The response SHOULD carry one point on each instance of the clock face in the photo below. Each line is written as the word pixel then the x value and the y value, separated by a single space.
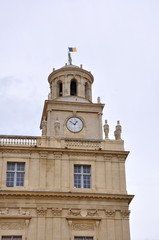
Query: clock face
pixel 74 124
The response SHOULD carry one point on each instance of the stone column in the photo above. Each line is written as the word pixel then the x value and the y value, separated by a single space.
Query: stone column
pixel 49 230
pixel 66 86
pixel 56 229
pixel 42 169
pixel 118 226
pixel 41 212
pixel 108 174
pixel 122 174
pixel 57 169
pixel 100 125
pixel 49 123
pixel 111 229
pixel 125 224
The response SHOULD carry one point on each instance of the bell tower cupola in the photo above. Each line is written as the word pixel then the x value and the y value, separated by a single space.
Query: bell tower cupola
pixel 71 83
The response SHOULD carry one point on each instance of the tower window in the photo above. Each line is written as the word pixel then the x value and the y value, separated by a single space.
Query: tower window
pixel 87 91
pixel 73 88
pixel 15 174
pixel 82 176
pixel 60 89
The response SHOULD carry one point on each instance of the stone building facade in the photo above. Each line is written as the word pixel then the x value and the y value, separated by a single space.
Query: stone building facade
pixel 69 183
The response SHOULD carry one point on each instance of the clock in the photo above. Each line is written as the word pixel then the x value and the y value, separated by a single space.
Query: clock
pixel 74 124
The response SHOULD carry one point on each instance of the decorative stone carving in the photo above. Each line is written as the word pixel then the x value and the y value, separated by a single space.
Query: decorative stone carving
pixel 57 155
pixel 92 212
pixel 83 226
pixel 121 158
pixel 80 154
pixel 44 127
pixel 110 213
pixel 41 211
pixel 43 155
pixel 57 127
pixel 84 144
pixel 16 151
pixel 56 212
pixel 106 129
pixel 108 157
pixel 73 212
pixel 117 132
pixel 4 212
pixel 25 213
pixel 83 212
pixel 12 226
pixel 125 213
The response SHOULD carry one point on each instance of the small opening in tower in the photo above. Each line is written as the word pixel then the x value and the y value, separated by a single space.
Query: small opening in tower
pixel 73 88
pixel 60 89
pixel 86 90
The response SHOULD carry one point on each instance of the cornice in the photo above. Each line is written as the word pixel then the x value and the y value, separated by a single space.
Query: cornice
pixel 47 150
pixel 64 195
pixel 70 69
pixel 82 104
pixel 14 217
pixel 89 104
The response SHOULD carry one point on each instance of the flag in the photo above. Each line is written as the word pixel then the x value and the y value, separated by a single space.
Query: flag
pixel 70 49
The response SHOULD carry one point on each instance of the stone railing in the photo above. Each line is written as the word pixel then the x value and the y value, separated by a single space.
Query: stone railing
pixel 70 143
pixel 18 140
pixel 83 144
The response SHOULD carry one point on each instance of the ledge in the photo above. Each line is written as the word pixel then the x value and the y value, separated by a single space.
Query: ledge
pixel 84 218
pixel 66 195
pixel 65 143
pixel 14 217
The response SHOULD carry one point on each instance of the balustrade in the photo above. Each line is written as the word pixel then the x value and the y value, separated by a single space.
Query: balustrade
pixel 18 140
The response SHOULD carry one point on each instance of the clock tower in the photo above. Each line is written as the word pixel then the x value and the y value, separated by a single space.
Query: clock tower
pixel 69 112
pixel 69 183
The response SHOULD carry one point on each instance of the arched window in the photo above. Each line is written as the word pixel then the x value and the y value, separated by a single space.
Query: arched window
pixel 73 88
pixel 60 89
pixel 86 90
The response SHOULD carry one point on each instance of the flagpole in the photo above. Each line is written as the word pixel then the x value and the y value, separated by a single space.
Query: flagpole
pixel 69 58
pixel 70 49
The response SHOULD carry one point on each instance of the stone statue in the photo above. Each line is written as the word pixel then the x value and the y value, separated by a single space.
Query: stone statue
pixel 69 58
pixel 57 127
pixel 49 96
pixel 106 129
pixel 98 99
pixel 44 127
pixel 117 132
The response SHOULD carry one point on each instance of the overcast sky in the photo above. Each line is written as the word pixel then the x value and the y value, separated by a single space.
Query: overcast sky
pixel 118 41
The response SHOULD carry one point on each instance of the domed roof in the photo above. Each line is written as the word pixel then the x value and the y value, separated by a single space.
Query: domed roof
pixel 69 66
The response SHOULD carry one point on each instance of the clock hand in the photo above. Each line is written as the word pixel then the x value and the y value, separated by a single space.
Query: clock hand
pixel 73 122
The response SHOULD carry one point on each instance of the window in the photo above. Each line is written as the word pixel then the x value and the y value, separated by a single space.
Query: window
pixel 73 88
pixel 12 238
pixel 83 238
pixel 60 89
pixel 82 176
pixel 87 91
pixel 15 174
